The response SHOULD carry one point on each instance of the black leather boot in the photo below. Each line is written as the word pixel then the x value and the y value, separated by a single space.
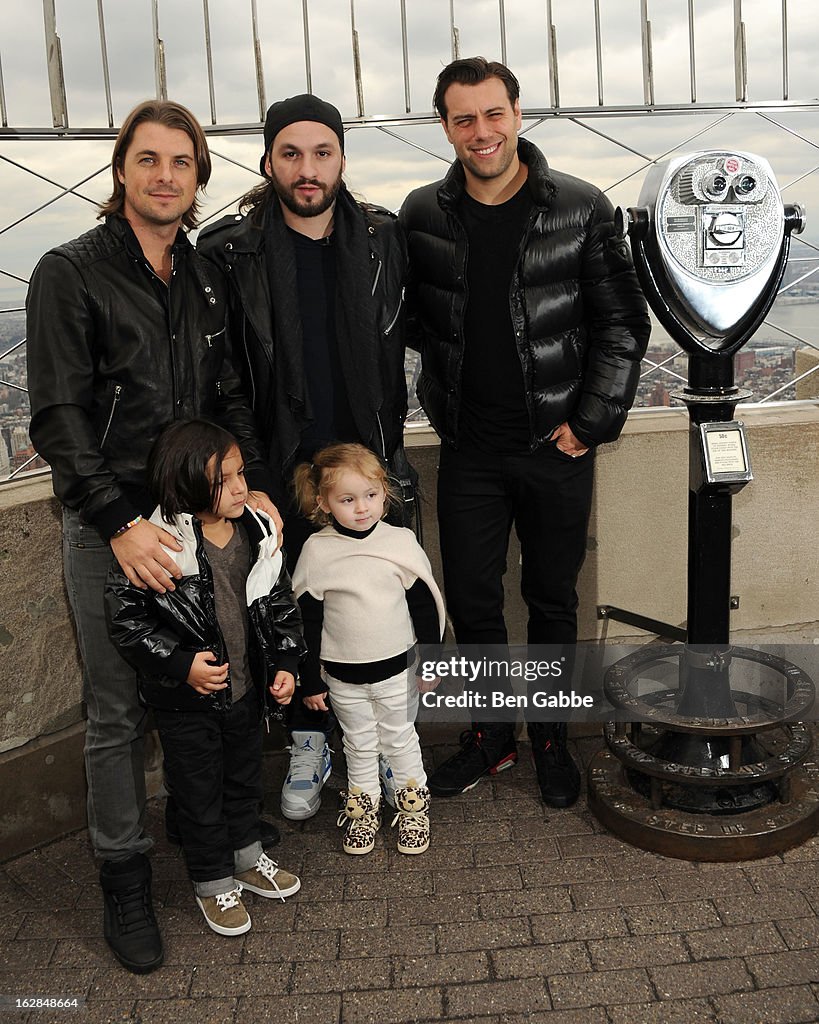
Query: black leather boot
pixel 129 924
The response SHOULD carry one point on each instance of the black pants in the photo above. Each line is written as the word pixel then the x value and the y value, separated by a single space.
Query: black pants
pixel 297 528
pixel 213 766
pixel 547 495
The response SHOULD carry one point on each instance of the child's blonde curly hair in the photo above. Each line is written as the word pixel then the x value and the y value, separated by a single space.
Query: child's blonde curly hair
pixel 316 479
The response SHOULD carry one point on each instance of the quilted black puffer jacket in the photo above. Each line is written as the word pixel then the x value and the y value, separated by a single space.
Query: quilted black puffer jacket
pixel 159 634
pixel 579 316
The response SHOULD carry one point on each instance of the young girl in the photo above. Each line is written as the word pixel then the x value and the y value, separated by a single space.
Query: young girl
pixel 206 653
pixel 367 594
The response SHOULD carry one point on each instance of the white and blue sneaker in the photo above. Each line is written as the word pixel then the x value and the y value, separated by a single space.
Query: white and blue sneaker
pixel 387 780
pixel 310 768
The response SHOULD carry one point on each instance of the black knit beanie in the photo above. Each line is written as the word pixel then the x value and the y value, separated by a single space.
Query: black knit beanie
pixel 305 107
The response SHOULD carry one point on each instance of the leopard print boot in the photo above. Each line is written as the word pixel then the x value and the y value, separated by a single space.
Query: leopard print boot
pixel 412 806
pixel 362 817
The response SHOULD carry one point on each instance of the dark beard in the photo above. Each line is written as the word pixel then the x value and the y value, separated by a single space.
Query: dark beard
pixel 313 209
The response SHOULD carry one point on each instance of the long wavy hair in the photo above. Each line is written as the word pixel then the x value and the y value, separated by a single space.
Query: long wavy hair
pixel 171 115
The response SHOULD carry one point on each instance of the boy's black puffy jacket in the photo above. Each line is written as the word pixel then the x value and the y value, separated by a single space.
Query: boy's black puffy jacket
pixel 579 317
pixel 159 634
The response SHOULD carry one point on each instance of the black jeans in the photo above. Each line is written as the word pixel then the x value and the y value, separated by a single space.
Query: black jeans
pixel 213 766
pixel 297 528
pixel 547 495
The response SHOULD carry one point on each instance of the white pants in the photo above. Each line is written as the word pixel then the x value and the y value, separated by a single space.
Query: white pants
pixel 379 718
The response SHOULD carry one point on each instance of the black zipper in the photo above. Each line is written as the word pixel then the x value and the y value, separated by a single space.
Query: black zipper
pixel 114 402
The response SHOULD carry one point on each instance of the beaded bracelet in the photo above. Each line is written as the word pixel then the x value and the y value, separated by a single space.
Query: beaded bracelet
pixel 124 529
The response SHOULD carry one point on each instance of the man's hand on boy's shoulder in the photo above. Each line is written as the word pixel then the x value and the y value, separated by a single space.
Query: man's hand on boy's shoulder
pixel 141 556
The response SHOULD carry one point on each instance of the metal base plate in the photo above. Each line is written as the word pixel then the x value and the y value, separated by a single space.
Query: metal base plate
pixel 689 836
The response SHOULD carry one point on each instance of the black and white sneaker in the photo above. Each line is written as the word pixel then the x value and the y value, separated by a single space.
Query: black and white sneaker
pixel 483 752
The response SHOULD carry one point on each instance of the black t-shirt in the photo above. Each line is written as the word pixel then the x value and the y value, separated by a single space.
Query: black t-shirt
pixel 329 403
pixel 493 413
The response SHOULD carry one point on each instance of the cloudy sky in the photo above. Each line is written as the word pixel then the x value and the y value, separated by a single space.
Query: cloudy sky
pixel 380 167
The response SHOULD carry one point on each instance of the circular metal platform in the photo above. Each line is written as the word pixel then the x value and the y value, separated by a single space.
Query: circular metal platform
pixel 674 833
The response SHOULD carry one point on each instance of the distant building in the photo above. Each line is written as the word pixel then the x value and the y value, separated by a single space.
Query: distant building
pixel 807 359
pixel 20 441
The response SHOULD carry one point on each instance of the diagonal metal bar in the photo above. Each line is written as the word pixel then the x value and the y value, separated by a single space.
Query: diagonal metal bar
pixel 668 152
pixel 28 462
pixel 662 366
pixel 236 163
pixel 49 202
pixel 616 142
pixel 790 384
pixel 14 277
pixel 801 177
pixel 790 334
pixel 16 387
pixel 19 344
pixel 785 128
pixel 51 181
pixel 798 280
pixel 413 145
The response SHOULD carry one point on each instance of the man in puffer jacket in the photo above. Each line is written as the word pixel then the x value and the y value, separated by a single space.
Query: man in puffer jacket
pixel 531 326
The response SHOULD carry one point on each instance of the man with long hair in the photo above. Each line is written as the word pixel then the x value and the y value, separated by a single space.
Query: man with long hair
pixel 126 332
pixel 316 293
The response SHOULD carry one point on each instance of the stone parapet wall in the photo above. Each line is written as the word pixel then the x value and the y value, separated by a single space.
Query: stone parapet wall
pixel 636 560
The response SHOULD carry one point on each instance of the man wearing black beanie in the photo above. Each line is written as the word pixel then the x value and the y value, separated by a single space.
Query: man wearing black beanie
pixel 316 303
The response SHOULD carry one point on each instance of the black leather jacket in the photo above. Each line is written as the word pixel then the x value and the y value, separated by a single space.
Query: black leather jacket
pixel 577 310
pixel 272 368
pixel 159 634
pixel 114 356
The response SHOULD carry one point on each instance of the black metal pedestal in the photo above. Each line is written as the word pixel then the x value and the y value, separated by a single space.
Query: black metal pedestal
pixel 709 770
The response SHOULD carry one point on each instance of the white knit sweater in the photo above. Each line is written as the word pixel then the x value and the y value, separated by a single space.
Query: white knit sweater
pixel 363 584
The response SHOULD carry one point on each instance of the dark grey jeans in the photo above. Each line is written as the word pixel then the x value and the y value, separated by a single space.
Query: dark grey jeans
pixel 114 762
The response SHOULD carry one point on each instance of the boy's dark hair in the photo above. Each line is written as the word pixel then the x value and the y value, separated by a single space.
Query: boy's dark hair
pixel 473 71
pixel 178 466
pixel 171 115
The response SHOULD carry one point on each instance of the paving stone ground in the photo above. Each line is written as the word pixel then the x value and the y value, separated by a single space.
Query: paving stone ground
pixel 516 914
